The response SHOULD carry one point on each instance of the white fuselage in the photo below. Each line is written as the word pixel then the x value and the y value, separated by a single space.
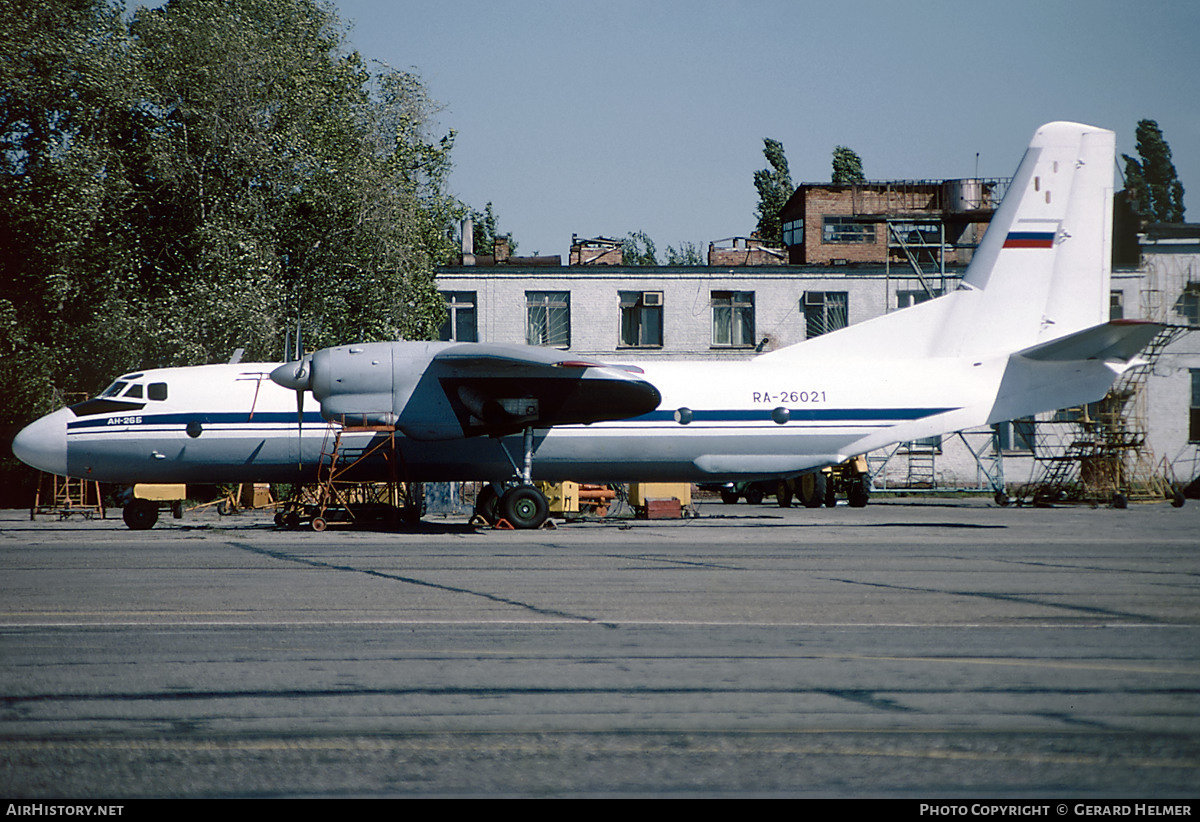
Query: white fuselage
pixel 226 423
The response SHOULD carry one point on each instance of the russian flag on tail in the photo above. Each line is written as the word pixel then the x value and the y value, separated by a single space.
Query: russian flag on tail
pixel 1029 239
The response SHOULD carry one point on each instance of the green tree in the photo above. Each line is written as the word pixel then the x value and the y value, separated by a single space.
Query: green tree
pixel 289 174
pixel 65 103
pixel 1152 183
pixel 847 166
pixel 218 167
pixel 485 231
pixel 638 249
pixel 774 185
pixel 687 254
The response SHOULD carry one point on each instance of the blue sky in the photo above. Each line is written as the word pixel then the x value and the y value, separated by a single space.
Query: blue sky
pixel 612 116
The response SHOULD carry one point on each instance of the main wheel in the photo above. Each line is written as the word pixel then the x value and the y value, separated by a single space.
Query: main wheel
pixel 140 514
pixel 524 506
pixel 729 496
pixel 487 505
pixel 754 494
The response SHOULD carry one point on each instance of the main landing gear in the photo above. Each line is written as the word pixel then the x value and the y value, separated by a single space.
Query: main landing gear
pixel 517 506
pixel 517 503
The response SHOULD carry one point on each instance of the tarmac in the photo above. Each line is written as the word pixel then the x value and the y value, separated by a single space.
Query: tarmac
pixel 914 649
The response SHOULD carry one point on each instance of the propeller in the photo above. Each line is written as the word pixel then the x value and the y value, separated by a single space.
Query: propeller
pixel 296 374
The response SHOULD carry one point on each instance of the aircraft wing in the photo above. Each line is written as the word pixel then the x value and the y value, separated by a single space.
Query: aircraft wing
pixel 495 390
pixel 440 391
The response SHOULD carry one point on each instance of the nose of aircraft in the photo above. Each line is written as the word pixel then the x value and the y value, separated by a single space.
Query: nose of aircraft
pixel 43 443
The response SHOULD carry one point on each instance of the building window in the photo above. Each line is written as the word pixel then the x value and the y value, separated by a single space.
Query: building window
pixel 846 230
pixel 905 299
pixel 825 311
pixel 1092 412
pixel 1188 304
pixel 548 318
pixel 733 319
pixel 918 233
pixel 1116 305
pixel 642 319
pixel 1194 411
pixel 1015 436
pixel 793 232
pixel 461 324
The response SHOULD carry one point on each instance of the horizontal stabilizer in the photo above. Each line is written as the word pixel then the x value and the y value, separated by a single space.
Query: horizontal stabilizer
pixel 1119 340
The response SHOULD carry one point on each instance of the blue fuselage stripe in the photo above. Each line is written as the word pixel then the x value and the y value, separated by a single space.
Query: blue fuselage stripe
pixel 800 415
pixel 265 420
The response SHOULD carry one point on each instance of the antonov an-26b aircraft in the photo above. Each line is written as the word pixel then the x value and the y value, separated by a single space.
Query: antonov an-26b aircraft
pixel 1027 331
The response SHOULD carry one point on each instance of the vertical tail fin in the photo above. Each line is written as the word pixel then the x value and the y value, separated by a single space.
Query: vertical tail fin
pixel 1044 263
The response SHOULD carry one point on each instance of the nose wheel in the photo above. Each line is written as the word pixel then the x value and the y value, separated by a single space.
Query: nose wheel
pixel 140 514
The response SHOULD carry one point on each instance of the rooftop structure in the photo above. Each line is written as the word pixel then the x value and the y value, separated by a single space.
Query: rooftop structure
pixel 921 222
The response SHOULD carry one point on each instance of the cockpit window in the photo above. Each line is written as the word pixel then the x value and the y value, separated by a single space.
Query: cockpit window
pixel 135 390
pixel 114 389
pixel 157 391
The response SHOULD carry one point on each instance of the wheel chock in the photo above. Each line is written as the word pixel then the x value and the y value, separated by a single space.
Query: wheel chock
pixel 504 525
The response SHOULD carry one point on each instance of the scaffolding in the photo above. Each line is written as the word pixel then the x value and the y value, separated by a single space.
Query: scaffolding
pixel 920 217
pixel 339 494
pixel 63 497
pixel 1100 453
pixel 915 466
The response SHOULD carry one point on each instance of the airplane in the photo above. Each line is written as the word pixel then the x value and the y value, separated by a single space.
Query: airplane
pixel 1027 331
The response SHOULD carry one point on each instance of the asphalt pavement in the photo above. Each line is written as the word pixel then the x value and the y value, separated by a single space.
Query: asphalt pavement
pixel 915 648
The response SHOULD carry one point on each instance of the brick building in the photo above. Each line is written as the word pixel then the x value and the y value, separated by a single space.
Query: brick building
pixel 937 223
